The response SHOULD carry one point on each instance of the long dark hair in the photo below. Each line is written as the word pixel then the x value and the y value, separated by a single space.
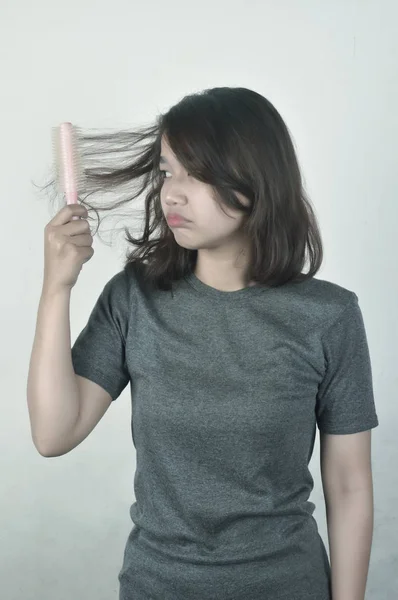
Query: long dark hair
pixel 234 140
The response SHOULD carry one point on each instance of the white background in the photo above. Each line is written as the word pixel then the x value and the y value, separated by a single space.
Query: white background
pixel 330 68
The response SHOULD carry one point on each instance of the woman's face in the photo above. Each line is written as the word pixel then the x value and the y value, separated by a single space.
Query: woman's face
pixel 208 226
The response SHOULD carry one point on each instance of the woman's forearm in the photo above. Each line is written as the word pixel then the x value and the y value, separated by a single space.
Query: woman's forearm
pixel 350 532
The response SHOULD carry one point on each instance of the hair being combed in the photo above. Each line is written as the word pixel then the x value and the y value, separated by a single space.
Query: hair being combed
pixel 232 139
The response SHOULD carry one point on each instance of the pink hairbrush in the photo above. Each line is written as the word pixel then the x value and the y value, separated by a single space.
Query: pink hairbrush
pixel 68 167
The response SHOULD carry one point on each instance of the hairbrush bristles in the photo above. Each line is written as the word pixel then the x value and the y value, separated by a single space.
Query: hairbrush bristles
pixel 69 172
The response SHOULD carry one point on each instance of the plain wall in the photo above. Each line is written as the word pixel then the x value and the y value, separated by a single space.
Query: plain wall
pixel 330 68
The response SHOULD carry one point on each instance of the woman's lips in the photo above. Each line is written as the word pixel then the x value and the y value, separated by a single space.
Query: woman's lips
pixel 176 220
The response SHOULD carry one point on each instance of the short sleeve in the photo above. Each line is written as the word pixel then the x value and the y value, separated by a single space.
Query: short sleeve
pixel 345 400
pixel 99 351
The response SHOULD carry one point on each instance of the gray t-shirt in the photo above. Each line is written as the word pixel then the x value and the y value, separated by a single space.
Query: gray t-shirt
pixel 227 390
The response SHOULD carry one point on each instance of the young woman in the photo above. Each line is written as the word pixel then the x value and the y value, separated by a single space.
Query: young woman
pixel 234 357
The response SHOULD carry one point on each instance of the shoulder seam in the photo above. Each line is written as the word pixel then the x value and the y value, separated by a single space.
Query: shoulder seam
pixel 353 299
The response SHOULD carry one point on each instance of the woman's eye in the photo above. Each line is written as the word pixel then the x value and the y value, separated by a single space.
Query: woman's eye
pixel 164 174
